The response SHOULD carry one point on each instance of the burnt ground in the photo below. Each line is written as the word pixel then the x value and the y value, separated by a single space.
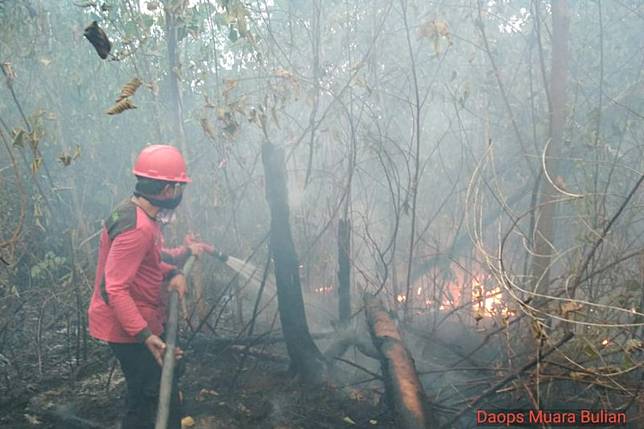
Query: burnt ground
pixel 221 389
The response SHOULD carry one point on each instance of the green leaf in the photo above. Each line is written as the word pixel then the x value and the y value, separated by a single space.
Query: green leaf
pixel 181 32
pixel 148 21
pixel 628 361
pixel 130 29
pixel 19 138
pixel 632 285
pixel 204 10
pixel 221 19
pixel 233 35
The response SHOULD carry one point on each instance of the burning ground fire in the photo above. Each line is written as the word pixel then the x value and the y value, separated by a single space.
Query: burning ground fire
pixel 460 292
pixel 483 302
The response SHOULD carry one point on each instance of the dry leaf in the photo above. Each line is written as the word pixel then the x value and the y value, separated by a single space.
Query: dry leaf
pixel 478 316
pixel 120 107
pixel 207 102
pixel 570 307
pixel 633 345
pixel 98 39
pixel 129 89
pixel 207 128
pixel 238 106
pixel 274 115
pixel 280 72
pixel 229 85
pixel 35 165
pixel 8 71
pixel 441 28
pixel 204 393
pixel 65 159
pixel 187 422
pixel 356 395
pixel 19 137
pixel 32 419
pixel 348 420
pixel 435 30
pixel 539 329
pixel 152 86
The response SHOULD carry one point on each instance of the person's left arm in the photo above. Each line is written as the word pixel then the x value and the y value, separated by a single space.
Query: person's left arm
pixel 179 255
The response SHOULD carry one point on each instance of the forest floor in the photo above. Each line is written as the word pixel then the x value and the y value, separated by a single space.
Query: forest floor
pixel 220 388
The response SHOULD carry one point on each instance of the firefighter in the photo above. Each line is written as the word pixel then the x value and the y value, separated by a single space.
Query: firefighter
pixel 127 307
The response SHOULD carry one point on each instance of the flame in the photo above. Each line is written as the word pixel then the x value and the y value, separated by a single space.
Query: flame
pixel 323 290
pixel 485 303
pixel 488 303
pixel 455 288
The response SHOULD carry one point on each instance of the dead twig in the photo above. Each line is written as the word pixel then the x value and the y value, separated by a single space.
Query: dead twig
pixel 492 390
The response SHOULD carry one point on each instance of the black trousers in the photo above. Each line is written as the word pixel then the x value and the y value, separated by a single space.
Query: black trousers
pixel 143 377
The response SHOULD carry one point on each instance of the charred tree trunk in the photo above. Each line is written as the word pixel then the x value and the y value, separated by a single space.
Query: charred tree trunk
pixel 306 359
pixel 545 228
pixel 404 392
pixel 344 271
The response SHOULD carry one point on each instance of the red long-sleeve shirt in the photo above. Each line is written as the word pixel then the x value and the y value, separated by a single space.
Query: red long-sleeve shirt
pixel 128 300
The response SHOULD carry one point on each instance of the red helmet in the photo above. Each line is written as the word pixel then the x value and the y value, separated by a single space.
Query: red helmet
pixel 161 162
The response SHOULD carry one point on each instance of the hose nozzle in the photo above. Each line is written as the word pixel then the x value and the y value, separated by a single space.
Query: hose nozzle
pixel 221 256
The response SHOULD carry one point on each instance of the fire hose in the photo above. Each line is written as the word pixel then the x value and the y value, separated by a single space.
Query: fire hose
pixel 167 373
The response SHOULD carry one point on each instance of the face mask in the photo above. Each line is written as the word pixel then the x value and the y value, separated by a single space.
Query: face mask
pixel 165 216
pixel 170 203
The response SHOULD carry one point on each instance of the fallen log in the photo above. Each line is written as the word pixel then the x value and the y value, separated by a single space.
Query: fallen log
pixel 404 392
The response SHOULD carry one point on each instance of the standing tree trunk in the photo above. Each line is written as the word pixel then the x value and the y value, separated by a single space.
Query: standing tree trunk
pixel 306 359
pixel 344 271
pixel 172 9
pixel 173 77
pixel 545 228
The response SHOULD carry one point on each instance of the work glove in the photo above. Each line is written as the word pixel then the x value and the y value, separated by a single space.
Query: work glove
pixel 197 247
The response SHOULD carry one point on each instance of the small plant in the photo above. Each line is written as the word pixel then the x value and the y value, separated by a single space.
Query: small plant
pixel 45 268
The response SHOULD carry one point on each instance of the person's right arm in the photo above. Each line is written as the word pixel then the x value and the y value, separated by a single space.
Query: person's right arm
pixel 123 260
pixel 125 256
